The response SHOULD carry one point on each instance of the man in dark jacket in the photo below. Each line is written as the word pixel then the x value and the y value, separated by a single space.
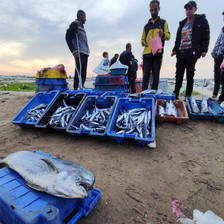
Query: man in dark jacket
pixel 191 43
pixel 114 59
pixel 77 42
pixel 126 59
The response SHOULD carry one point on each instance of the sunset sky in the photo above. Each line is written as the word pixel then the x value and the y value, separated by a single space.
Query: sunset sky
pixel 33 32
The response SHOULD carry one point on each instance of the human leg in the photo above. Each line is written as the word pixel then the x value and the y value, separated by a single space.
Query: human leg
pixel 221 97
pixel 132 87
pixel 217 76
pixel 191 61
pixel 84 61
pixel 180 67
pixel 156 65
pixel 76 77
pixel 147 65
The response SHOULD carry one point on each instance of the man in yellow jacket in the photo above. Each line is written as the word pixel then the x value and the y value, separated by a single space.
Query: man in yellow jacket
pixel 152 62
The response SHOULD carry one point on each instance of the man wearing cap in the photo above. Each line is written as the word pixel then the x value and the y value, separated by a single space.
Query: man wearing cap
pixel 77 42
pixel 152 62
pixel 218 55
pixel 191 43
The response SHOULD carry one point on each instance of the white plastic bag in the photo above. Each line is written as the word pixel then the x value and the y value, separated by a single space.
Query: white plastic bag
pixel 103 67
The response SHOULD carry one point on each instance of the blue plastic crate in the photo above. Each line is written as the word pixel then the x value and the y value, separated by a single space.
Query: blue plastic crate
pixel 71 98
pixel 119 71
pixel 102 80
pixel 22 205
pixel 47 81
pixel 219 112
pixel 39 98
pixel 114 88
pixel 88 103
pixel 127 104
pixel 162 96
pixel 117 94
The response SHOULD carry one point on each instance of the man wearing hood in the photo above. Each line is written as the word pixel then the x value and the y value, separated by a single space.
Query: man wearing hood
pixel 191 43
pixel 77 42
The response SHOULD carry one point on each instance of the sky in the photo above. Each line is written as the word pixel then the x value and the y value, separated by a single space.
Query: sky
pixel 33 32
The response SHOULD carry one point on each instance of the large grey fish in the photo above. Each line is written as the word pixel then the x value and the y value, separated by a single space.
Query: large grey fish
pixel 52 175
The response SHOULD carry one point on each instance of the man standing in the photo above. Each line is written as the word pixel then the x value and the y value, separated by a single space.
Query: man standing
pixel 134 69
pixel 152 62
pixel 191 43
pixel 77 42
pixel 218 55
pixel 126 59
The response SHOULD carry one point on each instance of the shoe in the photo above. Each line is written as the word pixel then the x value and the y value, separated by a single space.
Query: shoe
pixel 213 98
pixel 187 97
pixel 152 145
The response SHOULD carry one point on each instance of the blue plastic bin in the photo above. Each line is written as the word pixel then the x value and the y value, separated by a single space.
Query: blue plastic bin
pixel 219 112
pixel 119 71
pixel 117 94
pixel 127 104
pixel 112 87
pixel 88 103
pixel 162 96
pixel 39 98
pixel 22 205
pixel 47 81
pixel 72 98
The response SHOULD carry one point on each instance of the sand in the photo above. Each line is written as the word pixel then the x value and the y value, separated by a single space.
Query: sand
pixel 137 184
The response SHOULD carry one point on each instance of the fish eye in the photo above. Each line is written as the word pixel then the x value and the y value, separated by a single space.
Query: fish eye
pixel 78 178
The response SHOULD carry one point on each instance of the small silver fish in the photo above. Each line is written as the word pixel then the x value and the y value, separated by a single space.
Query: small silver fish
pixel 204 105
pixel 194 105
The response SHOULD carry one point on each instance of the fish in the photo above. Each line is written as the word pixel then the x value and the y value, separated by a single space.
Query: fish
pixel 49 174
pixel 134 121
pixel 35 113
pixel 194 105
pixel 161 111
pixel 204 105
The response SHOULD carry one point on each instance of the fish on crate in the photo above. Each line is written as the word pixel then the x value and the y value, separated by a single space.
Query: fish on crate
pixel 194 105
pixel 134 121
pixel 35 113
pixel 49 174
pixel 171 109
pixel 204 105
pixel 161 111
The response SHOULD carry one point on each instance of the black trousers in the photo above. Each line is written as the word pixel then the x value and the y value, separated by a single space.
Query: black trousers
pixel 151 65
pixel 218 76
pixel 84 61
pixel 131 81
pixel 185 60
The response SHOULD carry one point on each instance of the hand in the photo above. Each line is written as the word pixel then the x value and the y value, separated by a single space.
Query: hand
pixel 76 55
pixel 144 43
pixel 161 33
pixel 173 53
pixel 203 54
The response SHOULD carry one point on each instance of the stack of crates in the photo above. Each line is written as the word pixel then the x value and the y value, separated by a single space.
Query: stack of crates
pixel 116 82
pixel 51 80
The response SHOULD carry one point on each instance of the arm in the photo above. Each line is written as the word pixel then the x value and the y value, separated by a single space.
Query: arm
pixel 205 38
pixel 166 34
pixel 70 35
pixel 177 42
pixel 143 41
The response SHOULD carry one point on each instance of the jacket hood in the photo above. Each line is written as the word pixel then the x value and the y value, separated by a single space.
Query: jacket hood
pixel 196 17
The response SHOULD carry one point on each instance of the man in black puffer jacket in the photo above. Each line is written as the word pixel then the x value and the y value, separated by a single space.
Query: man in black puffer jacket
pixel 191 43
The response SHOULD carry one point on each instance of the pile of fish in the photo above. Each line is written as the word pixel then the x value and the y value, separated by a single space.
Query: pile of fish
pixel 94 119
pixel 51 175
pixel 170 109
pixel 62 115
pixel 134 121
pixel 35 113
pixel 205 108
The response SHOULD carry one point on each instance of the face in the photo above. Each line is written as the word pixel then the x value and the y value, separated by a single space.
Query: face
pixel 190 11
pixel 154 10
pixel 82 18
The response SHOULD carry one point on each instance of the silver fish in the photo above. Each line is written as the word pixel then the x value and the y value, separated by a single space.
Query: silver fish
pixel 161 111
pixel 51 175
pixel 174 109
pixel 35 113
pixel 204 105
pixel 194 105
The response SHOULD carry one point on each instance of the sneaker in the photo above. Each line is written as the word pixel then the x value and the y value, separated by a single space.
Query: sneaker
pixel 213 98
pixel 152 145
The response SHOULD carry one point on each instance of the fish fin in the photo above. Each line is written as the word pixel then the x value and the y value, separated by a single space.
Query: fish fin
pixel 51 166
pixel 34 186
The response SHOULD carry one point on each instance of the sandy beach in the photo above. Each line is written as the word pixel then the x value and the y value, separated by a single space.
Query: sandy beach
pixel 137 184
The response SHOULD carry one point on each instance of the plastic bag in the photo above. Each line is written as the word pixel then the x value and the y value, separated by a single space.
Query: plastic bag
pixel 156 44
pixel 103 67
pixel 222 66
